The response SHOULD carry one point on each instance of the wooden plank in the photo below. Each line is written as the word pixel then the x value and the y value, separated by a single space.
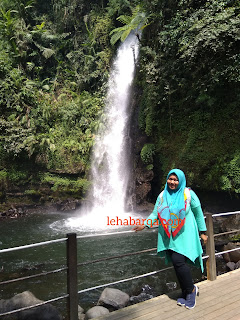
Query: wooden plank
pixel 214 300
pixel 237 315
pixel 217 299
pixel 232 309
pixel 139 309
pixel 215 307
pixel 203 306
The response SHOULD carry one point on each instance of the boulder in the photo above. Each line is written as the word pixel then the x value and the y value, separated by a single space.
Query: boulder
pixel 114 298
pixel 231 265
pixel 233 256
pixel 230 223
pixel 96 312
pixel 27 299
pixel 81 315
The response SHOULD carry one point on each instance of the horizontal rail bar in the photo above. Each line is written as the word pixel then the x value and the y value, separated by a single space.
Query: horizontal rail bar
pixel 222 252
pixel 104 234
pixel 227 232
pixel 32 245
pixel 225 213
pixel 34 306
pixel 116 257
pixel 33 276
pixel 125 280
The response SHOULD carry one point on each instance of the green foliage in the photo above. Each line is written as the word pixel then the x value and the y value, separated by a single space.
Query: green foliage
pixel 136 22
pixel 117 7
pixel 235 237
pixel 32 192
pixel 53 68
pixel 65 185
pixel 147 153
pixel 3 175
pixel 13 176
pixel 189 75
pixel 18 177
pixel 231 176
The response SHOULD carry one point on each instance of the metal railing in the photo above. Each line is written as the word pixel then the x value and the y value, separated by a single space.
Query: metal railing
pixel 72 265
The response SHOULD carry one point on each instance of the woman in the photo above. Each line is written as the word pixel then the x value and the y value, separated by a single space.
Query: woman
pixel 180 218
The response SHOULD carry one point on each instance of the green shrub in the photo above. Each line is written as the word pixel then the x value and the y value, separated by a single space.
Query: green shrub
pixel 17 176
pixel 66 185
pixel 3 175
pixel 147 153
pixel 231 177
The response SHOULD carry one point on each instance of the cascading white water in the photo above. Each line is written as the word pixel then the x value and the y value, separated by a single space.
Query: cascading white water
pixel 110 169
pixel 110 166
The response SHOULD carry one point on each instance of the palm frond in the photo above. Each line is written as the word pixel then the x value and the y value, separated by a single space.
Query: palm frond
pixel 125 34
pixel 115 38
pixel 124 19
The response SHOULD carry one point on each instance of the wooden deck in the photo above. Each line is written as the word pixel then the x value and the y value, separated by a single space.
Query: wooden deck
pixel 219 299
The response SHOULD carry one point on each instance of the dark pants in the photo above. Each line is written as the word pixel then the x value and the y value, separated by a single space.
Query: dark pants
pixel 182 270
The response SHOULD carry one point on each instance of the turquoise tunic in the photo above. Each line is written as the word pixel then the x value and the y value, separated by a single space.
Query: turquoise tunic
pixel 187 241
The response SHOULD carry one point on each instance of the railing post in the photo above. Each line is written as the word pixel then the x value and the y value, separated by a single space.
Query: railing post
pixel 72 286
pixel 210 249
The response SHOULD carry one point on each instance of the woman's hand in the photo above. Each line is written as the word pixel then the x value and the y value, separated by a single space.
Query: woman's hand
pixel 204 237
pixel 138 228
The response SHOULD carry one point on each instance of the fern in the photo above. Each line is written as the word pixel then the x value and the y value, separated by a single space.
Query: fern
pixel 124 19
pixel 138 20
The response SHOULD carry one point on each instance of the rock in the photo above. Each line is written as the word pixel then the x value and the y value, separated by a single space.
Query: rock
pixel 231 265
pixel 81 315
pixel 237 265
pixel 67 205
pixel 143 184
pixel 171 285
pixel 45 312
pixel 146 294
pixel 26 299
pixel 95 312
pixel 140 298
pixel 143 175
pixel 142 191
pixel 114 298
pixel 229 223
pixel 233 256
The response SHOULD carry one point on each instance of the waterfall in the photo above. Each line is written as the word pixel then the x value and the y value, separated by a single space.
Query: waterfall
pixel 110 169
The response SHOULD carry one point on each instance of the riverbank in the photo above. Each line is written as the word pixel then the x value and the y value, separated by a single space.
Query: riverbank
pixel 16 210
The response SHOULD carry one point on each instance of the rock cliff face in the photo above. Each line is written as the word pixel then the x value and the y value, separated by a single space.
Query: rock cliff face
pixel 140 188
